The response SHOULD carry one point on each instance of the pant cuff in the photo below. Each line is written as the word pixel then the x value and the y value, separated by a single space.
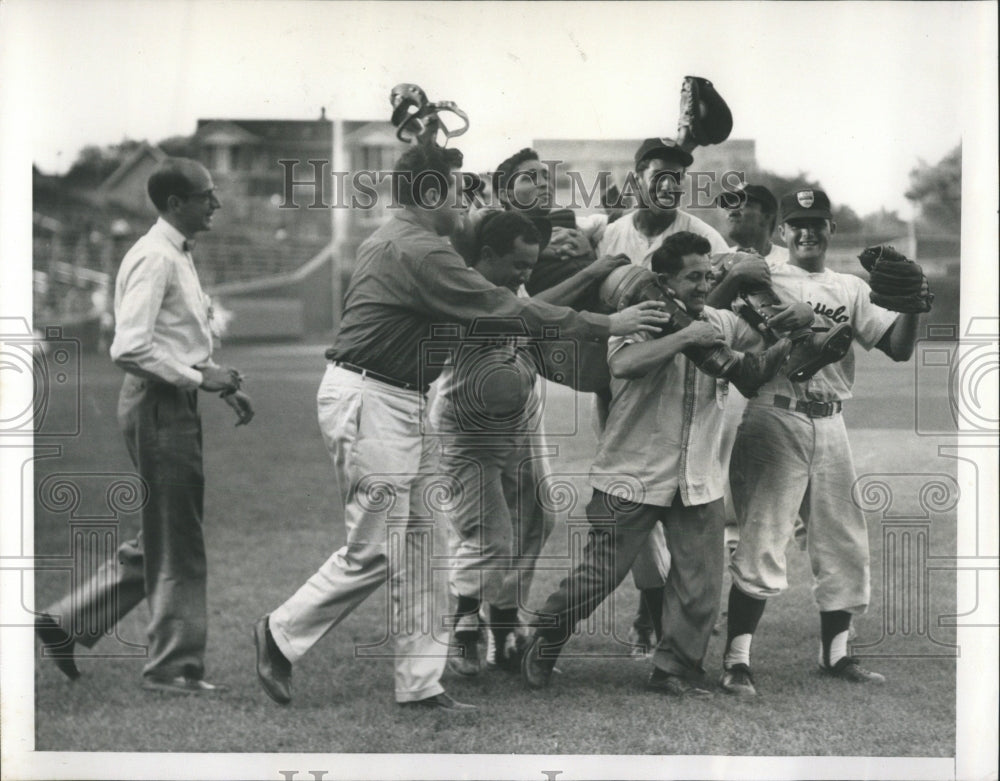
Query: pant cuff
pixel 430 690
pixel 281 640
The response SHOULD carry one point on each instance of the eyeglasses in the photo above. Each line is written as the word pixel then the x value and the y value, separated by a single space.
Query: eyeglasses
pixel 210 194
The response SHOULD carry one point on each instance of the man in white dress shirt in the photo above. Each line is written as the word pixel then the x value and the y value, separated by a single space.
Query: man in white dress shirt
pixel 163 341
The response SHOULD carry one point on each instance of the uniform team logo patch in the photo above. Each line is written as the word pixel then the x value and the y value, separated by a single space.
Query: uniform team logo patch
pixel 805 198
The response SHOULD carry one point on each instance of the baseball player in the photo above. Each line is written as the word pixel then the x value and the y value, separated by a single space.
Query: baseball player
pixel 370 403
pixel 657 465
pixel 660 166
pixel 751 217
pixel 792 456
pixel 488 413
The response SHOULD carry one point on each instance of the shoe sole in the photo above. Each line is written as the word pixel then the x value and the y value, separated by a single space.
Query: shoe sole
pixel 834 349
pixel 528 680
pixel 165 688
pixel 738 691
pixel 879 681
pixel 278 698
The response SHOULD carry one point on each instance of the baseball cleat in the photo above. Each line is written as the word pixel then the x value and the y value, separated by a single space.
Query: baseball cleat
pixel 738 680
pixel 536 671
pixel 464 658
pixel 182 685
pixel 817 350
pixel 675 686
pixel 57 645
pixel 848 669
pixel 442 701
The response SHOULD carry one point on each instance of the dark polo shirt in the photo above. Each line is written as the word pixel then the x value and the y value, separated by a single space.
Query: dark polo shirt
pixel 408 279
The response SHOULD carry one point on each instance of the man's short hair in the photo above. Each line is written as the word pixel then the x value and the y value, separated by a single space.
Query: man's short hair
pixel 170 178
pixel 669 256
pixel 499 231
pixel 505 171
pixel 421 168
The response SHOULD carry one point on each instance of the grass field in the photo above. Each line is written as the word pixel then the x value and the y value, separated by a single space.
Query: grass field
pixel 272 518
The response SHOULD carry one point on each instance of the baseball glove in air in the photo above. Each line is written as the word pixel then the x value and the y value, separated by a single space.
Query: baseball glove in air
pixel 897 283
pixel 705 117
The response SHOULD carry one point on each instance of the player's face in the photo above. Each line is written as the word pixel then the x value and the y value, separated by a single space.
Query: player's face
pixel 528 187
pixel 512 269
pixel 747 224
pixel 663 184
pixel 808 238
pixel 692 282
pixel 194 211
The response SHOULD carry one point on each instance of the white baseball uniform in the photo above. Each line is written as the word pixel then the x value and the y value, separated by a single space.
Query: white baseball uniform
pixel 787 462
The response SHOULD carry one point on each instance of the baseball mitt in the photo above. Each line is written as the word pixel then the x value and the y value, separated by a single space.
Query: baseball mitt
pixel 705 117
pixel 897 283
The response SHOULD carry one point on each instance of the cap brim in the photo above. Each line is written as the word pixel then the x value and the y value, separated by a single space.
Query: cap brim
pixel 803 213
pixel 672 154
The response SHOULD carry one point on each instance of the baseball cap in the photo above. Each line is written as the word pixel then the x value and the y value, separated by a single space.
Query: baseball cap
pixel 733 199
pixel 805 203
pixel 663 148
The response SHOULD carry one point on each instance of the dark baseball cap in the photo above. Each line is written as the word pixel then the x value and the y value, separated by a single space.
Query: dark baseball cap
pixel 664 149
pixel 805 203
pixel 734 199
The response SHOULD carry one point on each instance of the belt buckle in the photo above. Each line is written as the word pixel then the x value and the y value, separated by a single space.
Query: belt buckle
pixel 821 409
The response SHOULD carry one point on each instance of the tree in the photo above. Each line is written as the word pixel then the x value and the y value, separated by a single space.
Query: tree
pixel 94 164
pixel 937 190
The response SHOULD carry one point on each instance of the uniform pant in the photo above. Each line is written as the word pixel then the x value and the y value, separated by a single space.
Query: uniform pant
pixel 386 472
pixel 166 563
pixel 691 595
pixel 786 463
pixel 497 527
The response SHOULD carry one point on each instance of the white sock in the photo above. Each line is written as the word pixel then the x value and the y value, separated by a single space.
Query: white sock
pixel 838 649
pixel 738 651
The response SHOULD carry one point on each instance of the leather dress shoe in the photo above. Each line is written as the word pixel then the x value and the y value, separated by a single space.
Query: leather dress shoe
pixel 274 671
pixel 442 701
pixel 675 686
pixel 182 685
pixel 57 645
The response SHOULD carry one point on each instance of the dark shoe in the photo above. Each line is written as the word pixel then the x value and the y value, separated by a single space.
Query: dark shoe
pixel 442 701
pixel 643 643
pixel 675 686
pixel 57 645
pixel 274 671
pixel 818 349
pixel 848 669
pixel 182 685
pixel 508 657
pixel 464 658
pixel 535 670
pixel 738 680
pixel 755 369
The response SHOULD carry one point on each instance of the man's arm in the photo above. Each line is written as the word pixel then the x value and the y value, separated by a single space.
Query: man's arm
pixel 454 292
pixel 899 340
pixel 639 358
pixel 753 270
pixel 568 290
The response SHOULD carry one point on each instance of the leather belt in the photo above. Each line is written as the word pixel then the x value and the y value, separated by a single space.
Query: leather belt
pixel 380 377
pixel 814 409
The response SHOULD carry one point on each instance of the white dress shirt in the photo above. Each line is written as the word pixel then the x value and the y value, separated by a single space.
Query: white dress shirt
pixel 162 316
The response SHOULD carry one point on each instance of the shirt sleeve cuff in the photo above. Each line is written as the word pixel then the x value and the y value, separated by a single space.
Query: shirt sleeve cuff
pixel 192 379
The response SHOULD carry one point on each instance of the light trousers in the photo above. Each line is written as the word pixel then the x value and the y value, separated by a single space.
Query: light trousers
pixel 386 472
